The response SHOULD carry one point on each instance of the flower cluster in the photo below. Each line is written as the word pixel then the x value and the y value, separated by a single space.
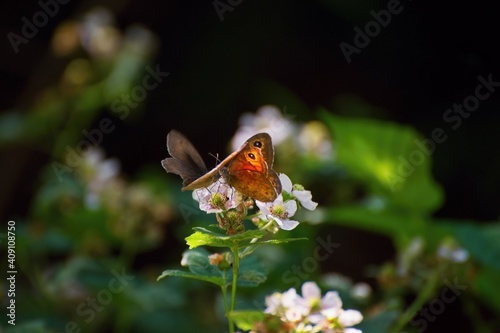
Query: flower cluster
pixel 131 208
pixel 280 211
pixel 311 312
pixel 230 207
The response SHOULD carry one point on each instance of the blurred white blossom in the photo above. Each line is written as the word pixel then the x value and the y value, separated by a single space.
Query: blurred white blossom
pixel 361 290
pixel 314 139
pixel 98 34
pixel 311 312
pixel 267 119
pixel 452 252
pixel 98 173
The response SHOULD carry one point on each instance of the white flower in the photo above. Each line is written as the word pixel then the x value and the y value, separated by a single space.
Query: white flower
pixel 298 191
pixel 289 306
pixel 273 303
pixel 279 211
pixel 330 304
pixel 295 306
pixel 335 314
pixel 327 309
pixel 314 140
pixel 217 197
pixel 311 312
pixel 267 119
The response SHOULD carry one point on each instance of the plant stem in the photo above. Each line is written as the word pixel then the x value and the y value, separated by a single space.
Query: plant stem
pixel 425 295
pixel 236 268
pixel 224 293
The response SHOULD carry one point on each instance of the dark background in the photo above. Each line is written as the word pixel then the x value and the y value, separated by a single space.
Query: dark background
pixel 426 59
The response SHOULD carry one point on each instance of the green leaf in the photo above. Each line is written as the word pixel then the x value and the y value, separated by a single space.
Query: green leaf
pixel 486 286
pixel 282 241
pixel 201 269
pixel 384 222
pixel 245 320
pixel 250 248
pixel 250 278
pixel 481 241
pixel 202 236
pixel 198 263
pixel 174 272
pixel 251 273
pixel 378 323
pixel 389 159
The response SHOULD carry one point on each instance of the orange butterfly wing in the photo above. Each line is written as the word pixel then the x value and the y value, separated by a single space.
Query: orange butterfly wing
pixel 249 171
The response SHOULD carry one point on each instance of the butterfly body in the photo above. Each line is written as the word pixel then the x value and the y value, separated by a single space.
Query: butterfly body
pixel 248 170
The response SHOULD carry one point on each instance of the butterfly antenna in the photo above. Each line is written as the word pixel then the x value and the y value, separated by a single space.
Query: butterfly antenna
pixel 217 161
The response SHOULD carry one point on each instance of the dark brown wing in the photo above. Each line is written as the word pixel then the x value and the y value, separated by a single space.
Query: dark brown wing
pixel 185 161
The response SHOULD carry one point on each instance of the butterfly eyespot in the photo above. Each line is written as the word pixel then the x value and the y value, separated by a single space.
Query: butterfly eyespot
pixel 257 144
pixel 252 156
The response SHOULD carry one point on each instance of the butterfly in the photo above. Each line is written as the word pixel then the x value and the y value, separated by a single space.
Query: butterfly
pixel 248 169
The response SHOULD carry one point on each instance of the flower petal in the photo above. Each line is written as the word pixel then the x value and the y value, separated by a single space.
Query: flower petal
pixel 311 290
pixel 350 317
pixel 291 207
pixel 286 183
pixel 288 224
pixel 305 199
pixel 331 300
